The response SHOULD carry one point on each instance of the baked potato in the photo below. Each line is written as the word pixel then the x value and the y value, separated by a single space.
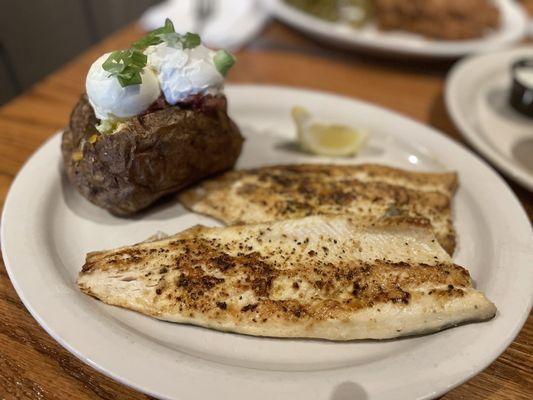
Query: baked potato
pixel 161 151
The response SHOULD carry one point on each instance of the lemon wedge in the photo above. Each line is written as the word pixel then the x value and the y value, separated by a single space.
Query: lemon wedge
pixel 327 139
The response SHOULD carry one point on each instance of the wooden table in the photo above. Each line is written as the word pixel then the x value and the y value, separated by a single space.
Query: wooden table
pixel 34 366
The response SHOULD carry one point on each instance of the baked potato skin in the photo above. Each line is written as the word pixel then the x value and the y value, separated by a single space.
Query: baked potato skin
pixel 151 155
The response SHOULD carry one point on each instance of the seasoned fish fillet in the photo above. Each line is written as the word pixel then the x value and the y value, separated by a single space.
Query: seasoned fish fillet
pixel 295 191
pixel 330 277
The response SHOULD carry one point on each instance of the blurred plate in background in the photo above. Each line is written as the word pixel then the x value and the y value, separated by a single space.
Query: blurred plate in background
pixel 477 98
pixel 513 28
pixel 229 24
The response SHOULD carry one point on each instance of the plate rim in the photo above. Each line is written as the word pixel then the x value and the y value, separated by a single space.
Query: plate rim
pixel 455 50
pixel 469 132
pixel 301 91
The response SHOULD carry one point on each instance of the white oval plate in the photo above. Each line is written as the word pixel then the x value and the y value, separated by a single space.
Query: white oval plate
pixel 477 93
pixel 47 229
pixel 513 29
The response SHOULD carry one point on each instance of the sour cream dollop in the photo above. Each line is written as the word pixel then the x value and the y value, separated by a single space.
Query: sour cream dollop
pixel 184 72
pixel 111 101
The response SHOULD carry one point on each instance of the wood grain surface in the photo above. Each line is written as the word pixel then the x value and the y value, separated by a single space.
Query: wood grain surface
pixel 34 366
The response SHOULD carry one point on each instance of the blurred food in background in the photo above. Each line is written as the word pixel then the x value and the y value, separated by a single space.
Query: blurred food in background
pixel 437 19
pixel 354 12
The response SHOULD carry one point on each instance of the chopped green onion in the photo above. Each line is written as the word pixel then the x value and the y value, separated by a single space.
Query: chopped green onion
pixel 154 37
pixel 167 34
pixel 129 79
pixel 223 60
pixel 146 41
pixel 137 58
pixel 114 63
pixel 169 26
pixel 187 41
pixel 126 65
pixel 190 40
pixel 171 38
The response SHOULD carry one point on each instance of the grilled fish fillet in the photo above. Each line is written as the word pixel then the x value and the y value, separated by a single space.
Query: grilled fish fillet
pixel 295 191
pixel 330 277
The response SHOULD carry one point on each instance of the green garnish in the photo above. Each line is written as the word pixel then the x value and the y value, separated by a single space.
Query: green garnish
pixel 191 40
pixel 154 37
pixel 224 60
pixel 187 41
pixel 128 64
pixel 168 34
